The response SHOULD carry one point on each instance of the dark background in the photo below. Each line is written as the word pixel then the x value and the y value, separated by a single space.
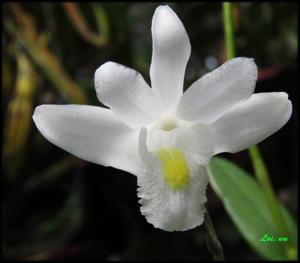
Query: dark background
pixel 56 206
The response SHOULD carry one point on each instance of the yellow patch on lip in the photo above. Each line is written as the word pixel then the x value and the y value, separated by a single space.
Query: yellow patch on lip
pixel 174 167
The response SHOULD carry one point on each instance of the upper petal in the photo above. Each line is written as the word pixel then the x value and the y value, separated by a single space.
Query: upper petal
pixel 173 184
pixel 171 51
pixel 91 133
pixel 218 91
pixel 251 121
pixel 125 91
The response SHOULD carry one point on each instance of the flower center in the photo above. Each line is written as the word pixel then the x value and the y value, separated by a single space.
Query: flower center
pixel 174 167
pixel 167 123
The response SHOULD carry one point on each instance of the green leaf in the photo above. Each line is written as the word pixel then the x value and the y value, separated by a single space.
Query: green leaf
pixel 247 206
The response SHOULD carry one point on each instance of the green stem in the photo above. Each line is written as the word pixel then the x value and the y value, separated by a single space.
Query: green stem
pixel 228 29
pixel 211 239
pixel 262 177
pixel 260 169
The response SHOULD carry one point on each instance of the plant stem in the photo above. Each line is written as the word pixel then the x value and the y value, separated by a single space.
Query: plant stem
pixel 228 29
pixel 260 169
pixel 211 239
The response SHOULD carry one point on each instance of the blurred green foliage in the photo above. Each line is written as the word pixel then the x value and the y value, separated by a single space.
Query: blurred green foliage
pixel 58 207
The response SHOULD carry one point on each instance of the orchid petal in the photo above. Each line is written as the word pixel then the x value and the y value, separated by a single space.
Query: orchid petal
pixel 125 91
pixel 251 121
pixel 91 133
pixel 218 91
pixel 171 51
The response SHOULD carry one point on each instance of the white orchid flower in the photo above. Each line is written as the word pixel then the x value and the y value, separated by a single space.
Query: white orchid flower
pixel 164 136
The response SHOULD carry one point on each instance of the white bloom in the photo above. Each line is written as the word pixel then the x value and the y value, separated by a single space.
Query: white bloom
pixel 165 137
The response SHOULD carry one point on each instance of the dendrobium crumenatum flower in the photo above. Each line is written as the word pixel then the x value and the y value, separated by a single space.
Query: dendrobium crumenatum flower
pixel 164 136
